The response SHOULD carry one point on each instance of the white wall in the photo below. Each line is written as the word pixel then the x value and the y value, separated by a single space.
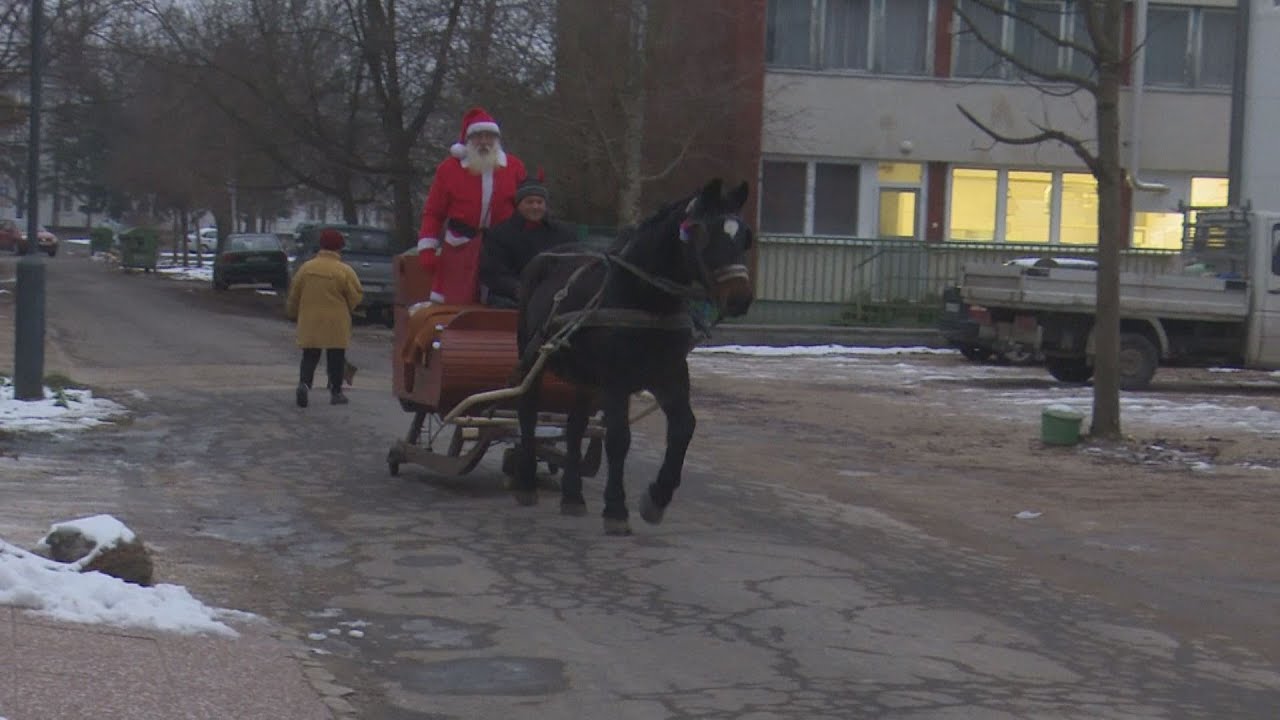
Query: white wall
pixel 843 116
pixel 1260 181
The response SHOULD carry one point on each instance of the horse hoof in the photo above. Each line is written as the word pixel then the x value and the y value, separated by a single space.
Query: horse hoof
pixel 649 510
pixel 525 498
pixel 573 509
pixel 617 527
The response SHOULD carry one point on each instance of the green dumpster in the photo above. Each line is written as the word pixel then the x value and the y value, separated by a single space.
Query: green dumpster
pixel 139 249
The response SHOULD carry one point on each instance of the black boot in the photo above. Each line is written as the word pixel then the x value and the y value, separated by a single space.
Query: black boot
pixel 301 394
pixel 337 398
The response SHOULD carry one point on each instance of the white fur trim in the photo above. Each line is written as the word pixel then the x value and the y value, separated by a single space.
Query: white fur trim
pixel 476 127
pixel 455 240
pixel 486 197
pixel 436 297
pixel 502 158
pixel 428 244
pixel 458 150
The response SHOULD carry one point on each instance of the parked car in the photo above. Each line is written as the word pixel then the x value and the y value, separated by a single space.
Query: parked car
pixel 370 252
pixel 12 238
pixel 970 329
pixel 205 240
pixel 251 258
pixel 47 242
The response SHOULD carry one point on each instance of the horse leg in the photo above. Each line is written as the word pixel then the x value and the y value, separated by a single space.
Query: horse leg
pixel 525 483
pixel 571 500
pixel 617 441
pixel 674 400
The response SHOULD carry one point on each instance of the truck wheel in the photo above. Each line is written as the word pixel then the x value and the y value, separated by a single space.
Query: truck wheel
pixel 1069 370
pixel 1138 361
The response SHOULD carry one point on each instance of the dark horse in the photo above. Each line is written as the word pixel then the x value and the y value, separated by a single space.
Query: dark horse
pixel 618 322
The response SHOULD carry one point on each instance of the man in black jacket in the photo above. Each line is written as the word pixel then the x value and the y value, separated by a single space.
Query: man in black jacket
pixel 510 246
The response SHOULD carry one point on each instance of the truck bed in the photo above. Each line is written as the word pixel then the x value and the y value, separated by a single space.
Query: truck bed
pixel 1067 290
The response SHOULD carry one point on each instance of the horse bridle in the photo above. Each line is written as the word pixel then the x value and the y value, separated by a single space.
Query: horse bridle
pixel 707 278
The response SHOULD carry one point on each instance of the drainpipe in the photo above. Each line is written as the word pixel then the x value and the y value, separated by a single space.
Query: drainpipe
pixel 1235 153
pixel 1139 76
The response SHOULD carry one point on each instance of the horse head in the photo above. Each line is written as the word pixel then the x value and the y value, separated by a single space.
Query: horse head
pixel 716 241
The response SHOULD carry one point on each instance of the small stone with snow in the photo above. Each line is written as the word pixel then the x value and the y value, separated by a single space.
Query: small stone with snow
pixel 99 543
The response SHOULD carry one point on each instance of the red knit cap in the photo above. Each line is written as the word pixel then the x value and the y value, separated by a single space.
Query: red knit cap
pixel 331 239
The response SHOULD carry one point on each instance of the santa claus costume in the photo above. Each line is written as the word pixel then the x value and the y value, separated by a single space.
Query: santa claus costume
pixel 465 200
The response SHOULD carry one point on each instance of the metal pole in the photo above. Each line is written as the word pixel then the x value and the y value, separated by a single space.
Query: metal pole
pixel 1235 151
pixel 28 346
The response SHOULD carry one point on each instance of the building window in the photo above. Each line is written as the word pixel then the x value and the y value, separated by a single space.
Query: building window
pixel 898 213
pixel 1027 206
pixel 881 36
pixel 1022 28
pixel 1023 206
pixel 835 199
pixel 1209 191
pixel 1079 225
pixel 1190 47
pixel 782 199
pixel 1157 230
pixel 803 198
pixel 787 44
pixel 898 173
pixel 973 204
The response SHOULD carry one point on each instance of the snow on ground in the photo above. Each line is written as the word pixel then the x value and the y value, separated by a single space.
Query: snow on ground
pixel 169 268
pixel 61 592
pixel 77 241
pixel 67 409
pixel 1006 392
pixel 817 350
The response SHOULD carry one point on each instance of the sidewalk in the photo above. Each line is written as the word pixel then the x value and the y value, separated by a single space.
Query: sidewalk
pixel 58 671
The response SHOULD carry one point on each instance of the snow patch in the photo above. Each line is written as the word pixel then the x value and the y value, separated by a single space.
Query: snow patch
pixel 67 409
pixel 817 350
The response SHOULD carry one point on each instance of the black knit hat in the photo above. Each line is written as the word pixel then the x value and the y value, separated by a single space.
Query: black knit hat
pixel 531 186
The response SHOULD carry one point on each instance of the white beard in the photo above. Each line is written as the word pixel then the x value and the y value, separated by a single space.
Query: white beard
pixel 479 163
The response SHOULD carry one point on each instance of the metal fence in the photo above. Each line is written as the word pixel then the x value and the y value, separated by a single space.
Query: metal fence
pixel 810 280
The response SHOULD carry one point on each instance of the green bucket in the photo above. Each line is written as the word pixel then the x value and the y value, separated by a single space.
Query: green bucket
pixel 1060 425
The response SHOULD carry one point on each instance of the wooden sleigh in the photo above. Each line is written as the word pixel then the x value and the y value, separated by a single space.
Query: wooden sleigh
pixel 453 369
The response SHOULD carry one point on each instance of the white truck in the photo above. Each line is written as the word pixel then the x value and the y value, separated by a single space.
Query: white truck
pixel 1222 309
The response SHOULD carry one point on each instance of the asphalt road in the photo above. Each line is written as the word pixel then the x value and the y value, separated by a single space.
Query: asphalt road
pixel 439 598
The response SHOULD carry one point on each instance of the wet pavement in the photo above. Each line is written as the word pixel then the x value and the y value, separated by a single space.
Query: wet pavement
pixel 430 598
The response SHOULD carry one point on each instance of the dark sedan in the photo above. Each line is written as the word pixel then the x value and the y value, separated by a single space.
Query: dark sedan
pixel 251 258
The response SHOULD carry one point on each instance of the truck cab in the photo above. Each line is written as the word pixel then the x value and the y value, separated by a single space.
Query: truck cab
pixel 1263 347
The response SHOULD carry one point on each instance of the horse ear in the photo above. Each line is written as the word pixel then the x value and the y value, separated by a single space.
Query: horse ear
pixel 737 197
pixel 710 195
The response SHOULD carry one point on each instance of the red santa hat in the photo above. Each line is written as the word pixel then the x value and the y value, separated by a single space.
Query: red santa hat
pixel 476 120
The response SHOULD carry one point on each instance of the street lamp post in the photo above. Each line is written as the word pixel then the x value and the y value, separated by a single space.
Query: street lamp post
pixel 29 321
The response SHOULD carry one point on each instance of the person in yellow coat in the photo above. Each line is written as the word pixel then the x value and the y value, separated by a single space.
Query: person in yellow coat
pixel 322 295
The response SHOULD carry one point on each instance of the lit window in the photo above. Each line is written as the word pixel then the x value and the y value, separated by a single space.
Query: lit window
pixel 1209 192
pixel 898 213
pixel 1079 210
pixel 1026 215
pixel 782 198
pixel 894 173
pixel 1157 231
pixel 973 205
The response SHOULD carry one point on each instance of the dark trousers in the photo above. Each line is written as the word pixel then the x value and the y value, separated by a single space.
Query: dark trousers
pixel 334 361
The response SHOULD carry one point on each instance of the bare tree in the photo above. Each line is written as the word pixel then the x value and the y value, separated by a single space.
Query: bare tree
pixel 668 99
pixel 1100 76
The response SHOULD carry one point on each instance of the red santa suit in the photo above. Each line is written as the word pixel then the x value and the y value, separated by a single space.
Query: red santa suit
pixel 459 207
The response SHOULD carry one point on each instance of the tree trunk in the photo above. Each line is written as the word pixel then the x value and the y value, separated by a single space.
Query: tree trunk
pixel 634 102
pixel 1111 232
